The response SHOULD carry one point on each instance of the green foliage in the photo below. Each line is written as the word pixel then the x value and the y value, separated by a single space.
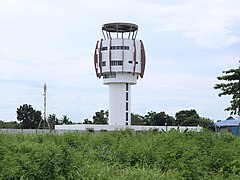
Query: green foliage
pixel 65 120
pixel 206 123
pixel 158 119
pixel 232 87
pixel 187 118
pixel 120 155
pixel 87 121
pixel 10 125
pixel 100 117
pixel 152 118
pixel 191 118
pixel 52 120
pixel 29 118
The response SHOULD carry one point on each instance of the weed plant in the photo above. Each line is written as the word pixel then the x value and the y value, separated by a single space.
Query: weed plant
pixel 120 155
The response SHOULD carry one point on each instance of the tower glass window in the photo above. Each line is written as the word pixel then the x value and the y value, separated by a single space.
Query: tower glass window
pixel 104 48
pixel 116 63
pixel 109 75
pixel 119 48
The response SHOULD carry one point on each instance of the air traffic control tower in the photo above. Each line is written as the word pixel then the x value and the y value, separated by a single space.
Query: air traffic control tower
pixel 120 59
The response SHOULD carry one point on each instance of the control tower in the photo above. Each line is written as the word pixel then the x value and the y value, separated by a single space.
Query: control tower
pixel 120 59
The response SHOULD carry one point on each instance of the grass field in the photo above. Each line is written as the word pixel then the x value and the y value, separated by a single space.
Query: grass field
pixel 120 155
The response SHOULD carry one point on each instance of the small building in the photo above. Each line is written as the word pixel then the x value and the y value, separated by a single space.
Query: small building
pixel 231 124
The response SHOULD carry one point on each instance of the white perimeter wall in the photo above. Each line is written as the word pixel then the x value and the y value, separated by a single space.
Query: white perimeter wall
pixel 84 127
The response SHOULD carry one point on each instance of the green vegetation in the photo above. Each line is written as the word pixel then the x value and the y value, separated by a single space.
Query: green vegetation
pixel 28 117
pixel 9 125
pixel 100 117
pixel 191 118
pixel 158 119
pixel 120 155
pixel 182 118
pixel 231 87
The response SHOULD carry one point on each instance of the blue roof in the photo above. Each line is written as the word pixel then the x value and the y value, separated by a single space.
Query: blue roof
pixel 230 121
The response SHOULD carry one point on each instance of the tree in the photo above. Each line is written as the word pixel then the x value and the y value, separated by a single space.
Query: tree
pixel 187 118
pixel 206 123
pixel 37 117
pixel 87 121
pixel 100 117
pixel 158 119
pixel 28 117
pixel 52 120
pixel 191 118
pixel 10 125
pixel 136 119
pixel 58 121
pixel 65 120
pixel 231 87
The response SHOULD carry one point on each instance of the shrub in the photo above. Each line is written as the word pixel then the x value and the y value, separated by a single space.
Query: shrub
pixel 120 155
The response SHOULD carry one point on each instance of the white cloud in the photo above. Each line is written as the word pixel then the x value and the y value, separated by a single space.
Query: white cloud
pixel 209 23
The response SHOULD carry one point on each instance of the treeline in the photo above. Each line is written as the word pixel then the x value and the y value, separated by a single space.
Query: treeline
pixel 29 118
pixel 182 118
pixel 10 125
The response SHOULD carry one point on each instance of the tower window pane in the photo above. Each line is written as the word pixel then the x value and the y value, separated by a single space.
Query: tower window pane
pixel 119 48
pixel 116 63
pixel 104 48
pixel 103 63
pixel 109 75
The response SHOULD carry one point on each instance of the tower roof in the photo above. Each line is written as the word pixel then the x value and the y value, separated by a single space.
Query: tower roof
pixel 120 27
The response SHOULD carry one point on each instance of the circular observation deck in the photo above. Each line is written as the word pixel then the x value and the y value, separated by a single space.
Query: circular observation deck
pixel 119 28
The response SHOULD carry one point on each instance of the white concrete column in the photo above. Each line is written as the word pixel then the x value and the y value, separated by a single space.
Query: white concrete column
pixel 119 104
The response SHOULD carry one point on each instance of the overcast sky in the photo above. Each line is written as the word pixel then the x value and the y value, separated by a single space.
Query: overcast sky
pixel 188 44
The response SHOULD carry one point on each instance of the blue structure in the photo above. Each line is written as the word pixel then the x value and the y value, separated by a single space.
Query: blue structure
pixel 231 124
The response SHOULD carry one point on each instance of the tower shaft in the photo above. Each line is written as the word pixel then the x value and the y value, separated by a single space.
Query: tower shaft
pixel 120 104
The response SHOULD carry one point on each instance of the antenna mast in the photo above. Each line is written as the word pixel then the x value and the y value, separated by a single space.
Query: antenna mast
pixel 45 108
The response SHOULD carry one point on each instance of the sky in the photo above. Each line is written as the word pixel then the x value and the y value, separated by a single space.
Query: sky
pixel 188 44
